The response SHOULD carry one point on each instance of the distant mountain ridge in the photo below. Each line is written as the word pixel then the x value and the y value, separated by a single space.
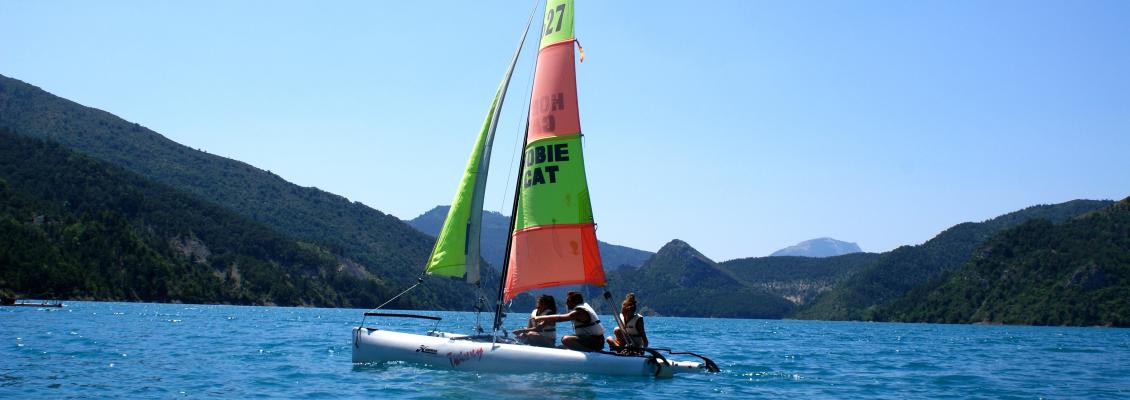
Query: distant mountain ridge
pixel 899 271
pixel 857 286
pixel 496 226
pixel 679 280
pixel 820 247
pixel 798 279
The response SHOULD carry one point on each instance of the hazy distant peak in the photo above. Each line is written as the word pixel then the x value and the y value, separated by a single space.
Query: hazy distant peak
pixel 820 247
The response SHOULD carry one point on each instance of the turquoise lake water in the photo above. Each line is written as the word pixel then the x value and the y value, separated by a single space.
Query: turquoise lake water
pixel 129 350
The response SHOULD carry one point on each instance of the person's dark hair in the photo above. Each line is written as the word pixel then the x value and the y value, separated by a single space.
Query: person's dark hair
pixel 574 298
pixel 549 302
pixel 629 302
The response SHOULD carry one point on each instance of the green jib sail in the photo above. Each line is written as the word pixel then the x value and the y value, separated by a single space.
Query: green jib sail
pixel 454 253
pixel 457 246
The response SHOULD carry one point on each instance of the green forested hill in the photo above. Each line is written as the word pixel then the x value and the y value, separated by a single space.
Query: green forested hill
pixel 383 246
pixel 897 272
pixel 1073 273
pixel 75 227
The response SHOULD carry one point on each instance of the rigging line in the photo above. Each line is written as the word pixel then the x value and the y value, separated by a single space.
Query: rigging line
pixel 419 281
pixel 517 137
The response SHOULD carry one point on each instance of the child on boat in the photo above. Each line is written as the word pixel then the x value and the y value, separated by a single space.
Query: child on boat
pixel 589 333
pixel 540 333
pixel 632 323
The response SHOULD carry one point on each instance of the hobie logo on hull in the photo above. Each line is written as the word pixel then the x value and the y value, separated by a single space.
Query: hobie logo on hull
pixel 426 349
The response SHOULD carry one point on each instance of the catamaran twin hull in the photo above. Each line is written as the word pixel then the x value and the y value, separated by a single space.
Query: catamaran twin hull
pixel 438 350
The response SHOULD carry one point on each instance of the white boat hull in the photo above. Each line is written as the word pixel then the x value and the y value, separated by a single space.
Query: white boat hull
pixel 372 345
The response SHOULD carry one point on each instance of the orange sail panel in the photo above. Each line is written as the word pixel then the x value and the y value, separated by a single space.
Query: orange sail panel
pixel 553 107
pixel 554 239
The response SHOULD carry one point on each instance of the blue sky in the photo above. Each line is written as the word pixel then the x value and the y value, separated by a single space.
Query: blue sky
pixel 741 127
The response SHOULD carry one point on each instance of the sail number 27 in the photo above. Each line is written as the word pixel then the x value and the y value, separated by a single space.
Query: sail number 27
pixel 550 14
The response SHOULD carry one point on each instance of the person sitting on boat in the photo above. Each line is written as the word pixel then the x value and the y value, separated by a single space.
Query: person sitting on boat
pixel 588 332
pixel 632 323
pixel 540 333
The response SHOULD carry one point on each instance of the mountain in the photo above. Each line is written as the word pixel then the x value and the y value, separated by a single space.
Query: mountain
pixel 615 256
pixel 797 279
pixel 75 227
pixel 390 252
pixel 898 271
pixel 496 226
pixel 678 280
pixel 821 247
pixel 1037 273
pixel 102 208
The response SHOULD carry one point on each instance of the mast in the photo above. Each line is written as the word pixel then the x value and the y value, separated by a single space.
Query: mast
pixel 510 237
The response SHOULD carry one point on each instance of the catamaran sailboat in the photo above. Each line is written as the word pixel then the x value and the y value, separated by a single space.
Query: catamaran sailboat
pixel 552 239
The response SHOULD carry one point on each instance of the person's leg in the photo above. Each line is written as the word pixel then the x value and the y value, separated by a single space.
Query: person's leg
pixel 570 342
pixel 537 339
pixel 584 343
pixel 616 339
pixel 590 343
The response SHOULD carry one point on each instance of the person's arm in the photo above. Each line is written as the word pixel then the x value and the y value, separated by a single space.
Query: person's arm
pixel 557 317
pixel 530 323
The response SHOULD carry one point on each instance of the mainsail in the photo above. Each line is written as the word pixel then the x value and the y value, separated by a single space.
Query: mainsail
pixel 457 246
pixel 553 241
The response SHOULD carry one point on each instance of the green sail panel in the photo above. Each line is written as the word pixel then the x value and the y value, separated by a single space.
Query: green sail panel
pixel 456 252
pixel 554 187
pixel 450 254
pixel 558 24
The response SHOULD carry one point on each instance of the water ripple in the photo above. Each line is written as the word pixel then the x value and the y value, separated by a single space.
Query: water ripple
pixel 168 350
